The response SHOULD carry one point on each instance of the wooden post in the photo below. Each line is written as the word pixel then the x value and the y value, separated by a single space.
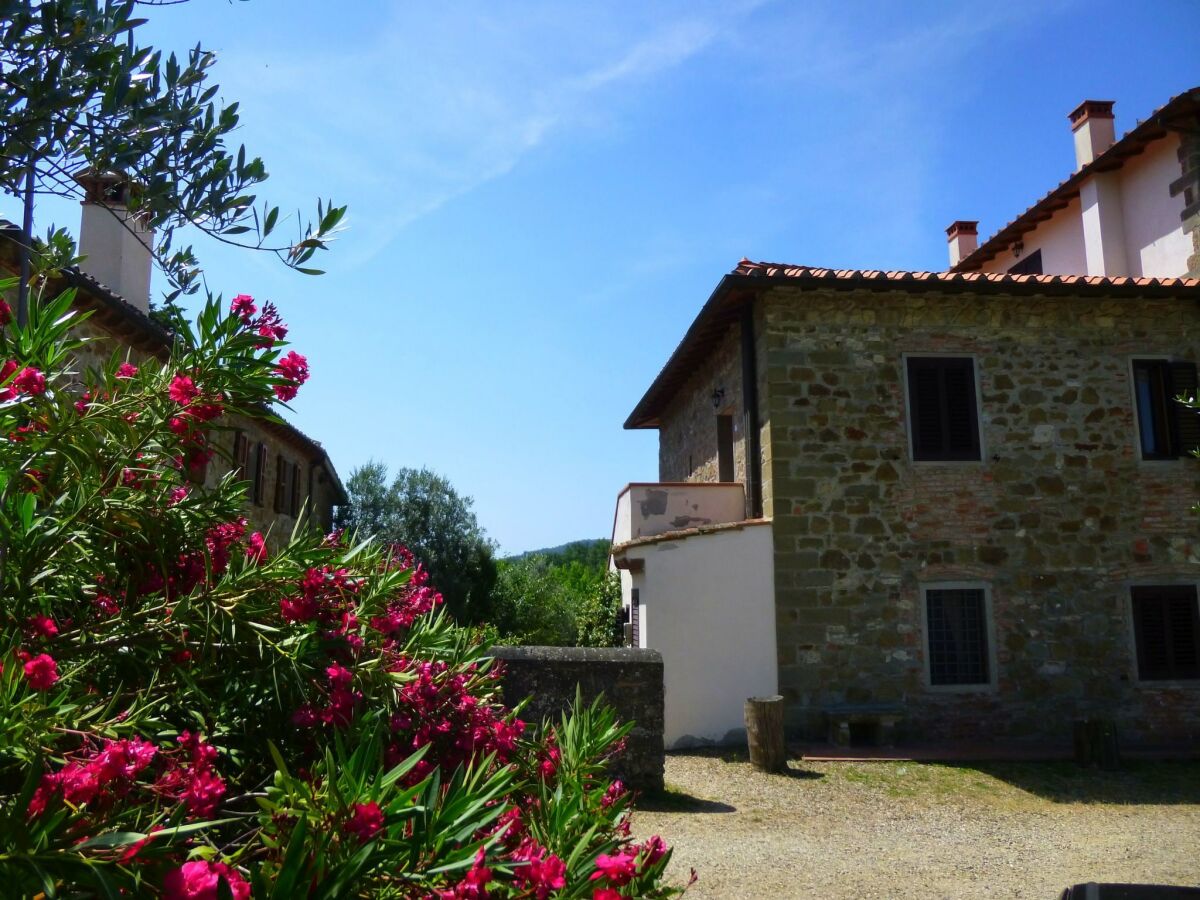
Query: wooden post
pixel 764 733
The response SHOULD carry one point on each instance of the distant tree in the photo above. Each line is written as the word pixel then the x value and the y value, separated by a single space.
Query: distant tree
pixel 78 91
pixel 597 622
pixel 421 510
pixel 531 606
pixel 563 597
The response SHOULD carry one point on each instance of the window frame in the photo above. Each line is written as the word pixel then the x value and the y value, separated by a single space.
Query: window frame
pixel 1172 411
pixel 1132 632
pixel 909 408
pixel 989 686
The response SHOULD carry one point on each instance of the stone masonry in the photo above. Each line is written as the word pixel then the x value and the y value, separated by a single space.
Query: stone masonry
pixel 1058 519
pixel 630 680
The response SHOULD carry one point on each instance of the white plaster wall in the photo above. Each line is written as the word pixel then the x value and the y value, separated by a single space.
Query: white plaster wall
pixel 644 510
pixel 708 605
pixel 1155 244
pixel 1060 238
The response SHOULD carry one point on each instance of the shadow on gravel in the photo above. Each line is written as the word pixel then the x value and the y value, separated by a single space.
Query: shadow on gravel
pixel 679 802
pixel 1136 782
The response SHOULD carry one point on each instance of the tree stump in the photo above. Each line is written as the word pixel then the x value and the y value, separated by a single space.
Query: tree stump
pixel 1096 743
pixel 764 733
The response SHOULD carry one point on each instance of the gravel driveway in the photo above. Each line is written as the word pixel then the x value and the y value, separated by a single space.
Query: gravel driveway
pixel 887 829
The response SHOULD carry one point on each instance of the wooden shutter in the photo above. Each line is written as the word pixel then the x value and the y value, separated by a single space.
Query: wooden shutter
pixel 942 411
pixel 1166 622
pixel 296 498
pixel 241 455
pixel 1030 265
pixel 635 616
pixel 260 473
pixel 725 448
pixel 281 478
pixel 1187 421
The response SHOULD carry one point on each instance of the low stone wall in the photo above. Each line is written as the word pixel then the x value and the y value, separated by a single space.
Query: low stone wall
pixel 630 679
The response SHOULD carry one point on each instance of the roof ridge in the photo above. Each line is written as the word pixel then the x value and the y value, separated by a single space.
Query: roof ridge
pixel 788 270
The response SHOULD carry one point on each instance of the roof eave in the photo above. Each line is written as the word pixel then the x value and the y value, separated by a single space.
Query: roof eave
pixel 641 417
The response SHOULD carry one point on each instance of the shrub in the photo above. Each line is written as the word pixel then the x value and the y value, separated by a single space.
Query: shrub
pixel 186 714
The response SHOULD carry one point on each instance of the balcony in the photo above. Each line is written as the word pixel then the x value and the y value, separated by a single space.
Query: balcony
pixel 646 509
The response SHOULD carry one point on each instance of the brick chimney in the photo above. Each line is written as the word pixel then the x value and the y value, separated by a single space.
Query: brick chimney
pixel 964 238
pixel 1092 123
pixel 114 240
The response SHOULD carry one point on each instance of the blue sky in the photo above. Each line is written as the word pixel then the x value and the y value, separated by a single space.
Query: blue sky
pixel 542 195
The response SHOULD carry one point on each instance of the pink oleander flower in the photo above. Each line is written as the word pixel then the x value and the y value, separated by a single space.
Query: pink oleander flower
pixel 606 894
pixel 178 495
pixel 366 822
pixel 256 548
pixel 544 874
pixel 5 313
pixel 204 794
pixel 43 626
pixel 126 370
pixel 243 307
pixel 30 381
pixel 199 880
pixel 41 672
pixel 617 868
pixel 293 368
pixel 653 850
pixel 183 390
pixel 615 792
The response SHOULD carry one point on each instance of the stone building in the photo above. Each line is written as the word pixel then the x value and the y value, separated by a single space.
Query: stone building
pixel 972 490
pixel 290 474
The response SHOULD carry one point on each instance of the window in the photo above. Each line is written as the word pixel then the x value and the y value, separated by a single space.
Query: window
pixel 294 507
pixel 1166 429
pixel 283 483
pixel 956 633
pixel 241 455
pixel 288 486
pixel 259 475
pixel 1030 265
pixel 1166 632
pixel 725 448
pixel 943 420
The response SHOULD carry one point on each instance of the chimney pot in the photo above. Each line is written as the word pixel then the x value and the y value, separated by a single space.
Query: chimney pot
pixel 1094 129
pixel 114 240
pixel 963 237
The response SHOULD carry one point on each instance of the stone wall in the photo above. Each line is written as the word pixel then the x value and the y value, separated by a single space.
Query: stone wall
pixel 630 679
pixel 1058 518
pixel 687 448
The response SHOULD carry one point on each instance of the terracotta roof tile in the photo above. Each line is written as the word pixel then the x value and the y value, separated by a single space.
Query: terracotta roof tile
pixel 901 277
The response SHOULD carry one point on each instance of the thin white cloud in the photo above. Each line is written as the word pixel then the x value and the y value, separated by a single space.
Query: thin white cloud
pixel 435 106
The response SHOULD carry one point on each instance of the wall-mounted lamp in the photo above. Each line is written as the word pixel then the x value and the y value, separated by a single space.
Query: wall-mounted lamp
pixel 1017 248
pixel 718 398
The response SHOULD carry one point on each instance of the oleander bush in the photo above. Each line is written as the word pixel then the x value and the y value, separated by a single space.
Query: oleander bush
pixel 191 710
